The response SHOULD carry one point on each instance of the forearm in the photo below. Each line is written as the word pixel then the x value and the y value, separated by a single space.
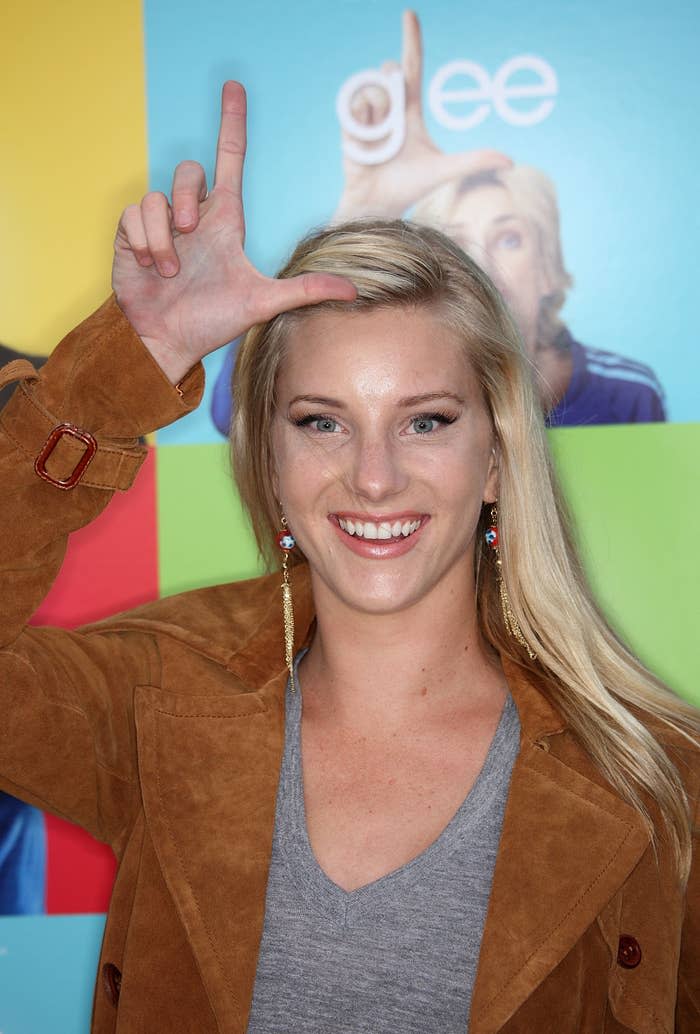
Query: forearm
pixel 102 381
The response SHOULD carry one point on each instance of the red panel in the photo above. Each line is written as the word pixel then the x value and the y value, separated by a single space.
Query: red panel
pixel 80 870
pixel 110 566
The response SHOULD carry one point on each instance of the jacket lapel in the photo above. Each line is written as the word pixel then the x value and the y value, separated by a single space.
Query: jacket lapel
pixel 567 845
pixel 209 768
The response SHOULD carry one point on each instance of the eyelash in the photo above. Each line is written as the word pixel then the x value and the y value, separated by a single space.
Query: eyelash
pixel 312 418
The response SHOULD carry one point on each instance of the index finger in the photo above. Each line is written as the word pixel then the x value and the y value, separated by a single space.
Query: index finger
pixel 412 58
pixel 230 148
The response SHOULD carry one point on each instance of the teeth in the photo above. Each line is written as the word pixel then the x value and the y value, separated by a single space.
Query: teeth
pixel 383 530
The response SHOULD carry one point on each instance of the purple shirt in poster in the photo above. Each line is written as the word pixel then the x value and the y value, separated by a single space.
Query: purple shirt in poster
pixel 606 388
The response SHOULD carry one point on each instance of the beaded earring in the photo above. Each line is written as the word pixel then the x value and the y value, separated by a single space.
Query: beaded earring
pixel 287 542
pixel 509 618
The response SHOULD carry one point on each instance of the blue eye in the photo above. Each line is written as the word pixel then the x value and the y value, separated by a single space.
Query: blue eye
pixel 427 423
pixel 510 240
pixel 323 424
pixel 423 424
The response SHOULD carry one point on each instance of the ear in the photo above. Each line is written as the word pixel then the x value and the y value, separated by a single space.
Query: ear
pixel 491 486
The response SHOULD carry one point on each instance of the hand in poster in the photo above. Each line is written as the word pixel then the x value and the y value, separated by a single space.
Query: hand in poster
pixel 180 273
pixel 420 166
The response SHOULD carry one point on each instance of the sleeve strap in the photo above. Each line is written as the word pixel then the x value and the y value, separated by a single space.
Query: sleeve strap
pixel 63 454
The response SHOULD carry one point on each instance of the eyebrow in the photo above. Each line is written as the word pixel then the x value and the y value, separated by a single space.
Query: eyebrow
pixel 404 403
pixel 453 229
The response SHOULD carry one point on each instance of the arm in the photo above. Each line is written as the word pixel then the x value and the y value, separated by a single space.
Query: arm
pixel 183 286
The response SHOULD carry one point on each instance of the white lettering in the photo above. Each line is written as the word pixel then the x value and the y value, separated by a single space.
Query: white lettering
pixel 477 96
pixel 391 129
pixel 502 92
pixel 438 96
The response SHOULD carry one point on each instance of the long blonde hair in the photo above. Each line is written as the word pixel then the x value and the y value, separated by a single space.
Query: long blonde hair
pixel 602 690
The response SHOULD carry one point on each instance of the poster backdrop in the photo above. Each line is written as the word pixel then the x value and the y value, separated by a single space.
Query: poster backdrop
pixel 554 141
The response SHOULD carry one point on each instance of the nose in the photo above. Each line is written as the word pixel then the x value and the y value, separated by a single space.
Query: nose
pixel 378 469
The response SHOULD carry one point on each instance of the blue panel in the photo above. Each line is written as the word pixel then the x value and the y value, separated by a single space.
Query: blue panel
pixel 47 973
pixel 619 142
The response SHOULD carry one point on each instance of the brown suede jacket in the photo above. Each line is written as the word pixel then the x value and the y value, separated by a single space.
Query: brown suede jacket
pixel 161 730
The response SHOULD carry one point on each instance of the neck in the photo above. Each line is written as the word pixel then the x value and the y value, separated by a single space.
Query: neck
pixel 365 668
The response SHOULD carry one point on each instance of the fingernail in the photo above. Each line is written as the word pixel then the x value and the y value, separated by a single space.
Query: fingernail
pixel 168 269
pixel 183 217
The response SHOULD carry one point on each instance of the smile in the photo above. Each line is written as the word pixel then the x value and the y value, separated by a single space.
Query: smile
pixel 379 530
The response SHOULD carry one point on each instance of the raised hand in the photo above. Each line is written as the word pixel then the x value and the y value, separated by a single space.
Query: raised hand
pixel 420 166
pixel 180 273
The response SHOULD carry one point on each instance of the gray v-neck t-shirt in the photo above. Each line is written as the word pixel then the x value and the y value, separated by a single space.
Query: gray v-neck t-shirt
pixel 399 955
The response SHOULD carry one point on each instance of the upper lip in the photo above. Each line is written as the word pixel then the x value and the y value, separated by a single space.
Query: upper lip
pixel 378 518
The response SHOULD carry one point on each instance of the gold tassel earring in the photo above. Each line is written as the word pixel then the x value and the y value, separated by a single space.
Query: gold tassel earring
pixel 287 542
pixel 509 618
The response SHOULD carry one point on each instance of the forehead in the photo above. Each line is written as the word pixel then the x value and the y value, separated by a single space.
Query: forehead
pixel 376 352
pixel 484 205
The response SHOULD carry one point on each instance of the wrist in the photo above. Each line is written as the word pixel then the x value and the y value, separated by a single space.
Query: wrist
pixel 174 366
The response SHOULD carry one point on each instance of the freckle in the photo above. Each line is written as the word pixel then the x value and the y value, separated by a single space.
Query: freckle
pixel 423 691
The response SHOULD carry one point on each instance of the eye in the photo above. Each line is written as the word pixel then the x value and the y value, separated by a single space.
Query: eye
pixel 427 423
pixel 322 424
pixel 510 240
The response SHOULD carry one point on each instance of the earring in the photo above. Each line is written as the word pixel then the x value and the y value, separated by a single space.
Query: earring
pixel 287 542
pixel 509 618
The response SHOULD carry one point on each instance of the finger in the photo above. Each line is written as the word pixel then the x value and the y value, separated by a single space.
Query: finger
pixel 189 189
pixel 370 105
pixel 133 232
pixel 412 59
pixel 307 289
pixel 155 212
pixel 230 149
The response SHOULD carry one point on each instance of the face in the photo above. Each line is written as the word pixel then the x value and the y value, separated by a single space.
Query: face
pixel 384 455
pixel 486 224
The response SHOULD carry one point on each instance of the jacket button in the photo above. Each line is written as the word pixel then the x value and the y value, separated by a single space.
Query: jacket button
pixel 629 953
pixel 111 982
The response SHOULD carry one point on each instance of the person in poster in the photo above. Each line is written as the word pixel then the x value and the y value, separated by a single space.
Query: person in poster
pixel 506 216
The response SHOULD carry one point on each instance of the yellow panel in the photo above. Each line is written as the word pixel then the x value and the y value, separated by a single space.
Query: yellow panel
pixel 73 130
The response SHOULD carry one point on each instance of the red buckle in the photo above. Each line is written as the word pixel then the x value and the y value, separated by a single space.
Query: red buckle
pixel 72 432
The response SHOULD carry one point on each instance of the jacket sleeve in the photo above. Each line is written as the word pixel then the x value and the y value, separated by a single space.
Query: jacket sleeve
pixel 66 729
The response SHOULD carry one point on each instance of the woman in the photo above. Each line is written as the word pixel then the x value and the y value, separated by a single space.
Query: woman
pixel 445 649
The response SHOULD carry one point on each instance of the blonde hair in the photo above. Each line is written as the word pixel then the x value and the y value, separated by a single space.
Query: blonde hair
pixel 598 686
pixel 535 200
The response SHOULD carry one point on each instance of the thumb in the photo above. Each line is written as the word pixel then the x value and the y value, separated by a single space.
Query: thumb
pixel 307 289
pixel 468 163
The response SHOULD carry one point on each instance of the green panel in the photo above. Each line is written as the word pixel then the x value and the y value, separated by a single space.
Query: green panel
pixel 635 496
pixel 633 490
pixel 203 537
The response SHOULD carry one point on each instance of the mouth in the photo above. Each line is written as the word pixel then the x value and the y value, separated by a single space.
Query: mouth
pixel 379 537
pixel 387 530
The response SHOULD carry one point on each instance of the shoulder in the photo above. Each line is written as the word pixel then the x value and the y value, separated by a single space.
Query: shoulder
pixel 607 388
pixel 632 386
pixel 216 619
